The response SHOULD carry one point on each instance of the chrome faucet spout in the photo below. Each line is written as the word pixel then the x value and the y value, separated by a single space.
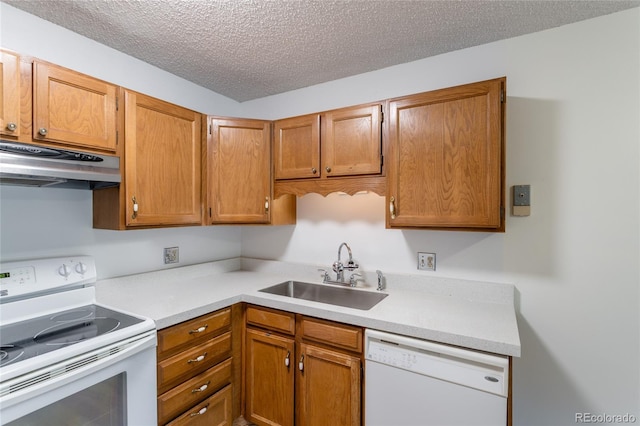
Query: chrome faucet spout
pixel 348 249
pixel 339 267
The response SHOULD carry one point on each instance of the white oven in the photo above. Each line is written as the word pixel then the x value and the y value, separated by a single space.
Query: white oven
pixel 65 360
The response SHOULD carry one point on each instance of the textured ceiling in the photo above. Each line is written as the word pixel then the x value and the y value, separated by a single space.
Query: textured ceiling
pixel 247 49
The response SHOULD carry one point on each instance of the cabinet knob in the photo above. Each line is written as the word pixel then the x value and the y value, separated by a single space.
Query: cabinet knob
pixel 200 412
pixel 199 329
pixel 301 363
pixel 392 207
pixel 286 360
pixel 328 169
pixel 197 359
pixel 11 127
pixel 42 131
pixel 266 204
pixel 135 207
pixel 201 388
pixel 313 170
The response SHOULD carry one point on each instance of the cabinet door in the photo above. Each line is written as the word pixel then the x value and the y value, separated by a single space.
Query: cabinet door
pixel 269 364
pixel 446 166
pixel 73 108
pixel 9 94
pixel 296 146
pixel 328 387
pixel 162 162
pixel 239 163
pixel 351 141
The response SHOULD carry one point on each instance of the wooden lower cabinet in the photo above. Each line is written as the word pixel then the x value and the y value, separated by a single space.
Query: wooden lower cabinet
pixel 312 376
pixel 328 387
pixel 270 377
pixel 195 371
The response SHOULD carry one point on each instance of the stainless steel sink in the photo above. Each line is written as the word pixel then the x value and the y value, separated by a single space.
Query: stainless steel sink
pixel 341 296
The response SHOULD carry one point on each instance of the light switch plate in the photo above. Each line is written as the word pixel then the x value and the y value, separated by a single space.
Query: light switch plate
pixel 521 200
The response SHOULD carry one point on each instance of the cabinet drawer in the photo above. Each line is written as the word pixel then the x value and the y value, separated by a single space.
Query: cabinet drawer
pixel 189 393
pixel 214 411
pixel 330 333
pixel 284 322
pixel 193 361
pixel 189 331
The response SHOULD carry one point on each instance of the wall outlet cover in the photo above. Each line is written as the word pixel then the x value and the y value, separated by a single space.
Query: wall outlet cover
pixel 171 255
pixel 427 261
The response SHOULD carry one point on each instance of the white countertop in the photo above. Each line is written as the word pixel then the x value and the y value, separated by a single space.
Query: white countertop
pixel 476 315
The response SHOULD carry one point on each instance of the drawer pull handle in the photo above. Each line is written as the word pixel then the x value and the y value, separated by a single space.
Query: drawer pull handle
pixel 199 329
pixel 201 388
pixel 201 411
pixel 198 359
pixel 286 360
pixel 301 363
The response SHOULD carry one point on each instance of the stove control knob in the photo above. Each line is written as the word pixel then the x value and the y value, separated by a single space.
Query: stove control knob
pixel 64 270
pixel 81 268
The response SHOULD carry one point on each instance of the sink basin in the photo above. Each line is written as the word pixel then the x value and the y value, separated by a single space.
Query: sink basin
pixel 341 296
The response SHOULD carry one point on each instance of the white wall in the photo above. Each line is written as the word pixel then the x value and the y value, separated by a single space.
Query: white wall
pixel 573 113
pixel 38 222
pixel 572 133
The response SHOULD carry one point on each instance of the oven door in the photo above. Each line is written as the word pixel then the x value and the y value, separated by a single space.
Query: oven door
pixel 112 385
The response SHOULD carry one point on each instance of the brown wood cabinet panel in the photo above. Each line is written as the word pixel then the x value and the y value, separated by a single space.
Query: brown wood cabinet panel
pixel 192 361
pixel 188 332
pixel 341 336
pixel 296 152
pixel 162 163
pixel 73 108
pixel 447 158
pixel 283 322
pixel 239 166
pixel 325 387
pixel 328 388
pixel 10 94
pixel 351 141
pixel 214 411
pixel 188 394
pixel 269 365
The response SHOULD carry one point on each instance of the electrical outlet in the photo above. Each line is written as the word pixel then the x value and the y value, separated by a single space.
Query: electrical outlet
pixel 171 255
pixel 427 261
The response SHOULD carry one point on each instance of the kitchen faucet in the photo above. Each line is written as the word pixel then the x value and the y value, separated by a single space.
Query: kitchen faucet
pixel 339 268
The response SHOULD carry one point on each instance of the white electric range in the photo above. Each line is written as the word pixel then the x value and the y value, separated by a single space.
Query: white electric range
pixel 65 359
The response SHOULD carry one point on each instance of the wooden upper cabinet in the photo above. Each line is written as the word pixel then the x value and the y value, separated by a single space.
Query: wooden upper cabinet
pixel 72 108
pixel 296 147
pixel 351 141
pixel 162 163
pixel 338 143
pixel 447 158
pixel 9 94
pixel 239 171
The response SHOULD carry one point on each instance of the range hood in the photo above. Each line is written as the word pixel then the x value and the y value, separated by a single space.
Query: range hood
pixel 33 165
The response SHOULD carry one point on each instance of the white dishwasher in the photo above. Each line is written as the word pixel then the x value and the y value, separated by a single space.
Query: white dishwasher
pixel 412 382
